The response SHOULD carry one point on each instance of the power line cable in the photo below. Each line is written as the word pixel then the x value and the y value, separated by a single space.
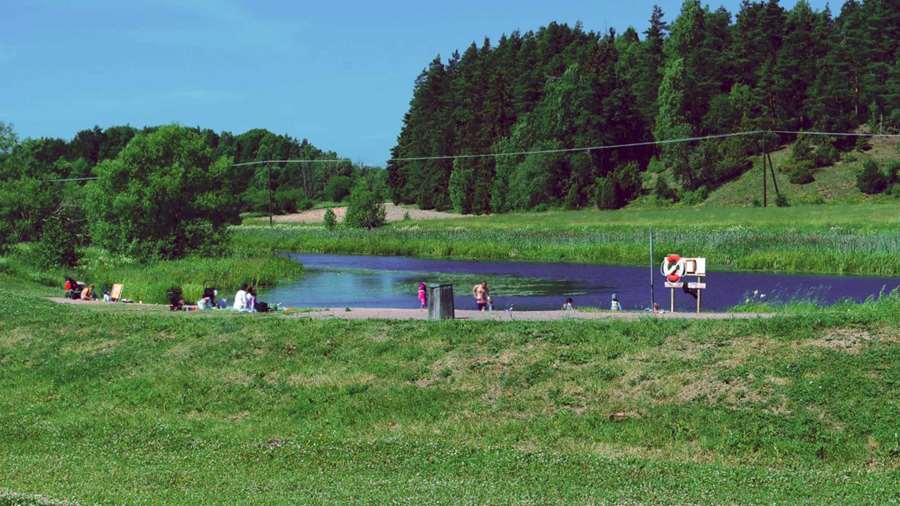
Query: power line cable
pixel 557 151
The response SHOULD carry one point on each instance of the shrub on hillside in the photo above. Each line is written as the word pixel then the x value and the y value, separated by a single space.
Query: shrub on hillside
pixel 782 201
pixel 365 208
pixel 801 172
pixel 802 150
pixel 870 179
pixel 663 191
pixel 893 172
pixel 826 154
pixel 605 195
pixel 695 197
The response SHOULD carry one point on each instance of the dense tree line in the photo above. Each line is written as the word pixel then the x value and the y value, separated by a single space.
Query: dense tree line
pixel 162 191
pixel 706 72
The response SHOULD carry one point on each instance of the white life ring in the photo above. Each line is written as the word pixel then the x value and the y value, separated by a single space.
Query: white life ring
pixel 672 268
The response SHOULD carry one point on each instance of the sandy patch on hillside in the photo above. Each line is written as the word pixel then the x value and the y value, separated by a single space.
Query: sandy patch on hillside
pixel 392 213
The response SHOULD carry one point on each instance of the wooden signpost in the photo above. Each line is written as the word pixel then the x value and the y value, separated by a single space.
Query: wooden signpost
pixel 675 269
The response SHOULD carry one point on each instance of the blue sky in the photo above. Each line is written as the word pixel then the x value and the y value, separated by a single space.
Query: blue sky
pixel 337 73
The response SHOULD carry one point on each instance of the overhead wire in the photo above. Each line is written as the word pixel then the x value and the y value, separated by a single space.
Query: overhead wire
pixel 555 151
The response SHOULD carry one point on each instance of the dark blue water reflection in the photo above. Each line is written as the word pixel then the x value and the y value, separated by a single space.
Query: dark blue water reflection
pixel 371 281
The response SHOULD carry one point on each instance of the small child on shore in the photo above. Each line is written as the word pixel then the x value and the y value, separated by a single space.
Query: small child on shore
pixel 423 295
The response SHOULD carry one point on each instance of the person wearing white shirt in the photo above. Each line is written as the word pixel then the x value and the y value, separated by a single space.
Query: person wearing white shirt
pixel 240 299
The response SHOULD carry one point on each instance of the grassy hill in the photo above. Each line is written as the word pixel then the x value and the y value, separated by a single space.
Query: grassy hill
pixel 835 184
pixel 125 407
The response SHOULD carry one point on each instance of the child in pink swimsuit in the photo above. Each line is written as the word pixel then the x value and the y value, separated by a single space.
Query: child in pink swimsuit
pixel 423 295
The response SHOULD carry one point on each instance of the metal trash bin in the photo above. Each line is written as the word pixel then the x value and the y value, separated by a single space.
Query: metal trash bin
pixel 440 302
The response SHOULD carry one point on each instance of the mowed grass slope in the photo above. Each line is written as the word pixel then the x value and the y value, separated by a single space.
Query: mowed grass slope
pixel 125 407
pixel 834 239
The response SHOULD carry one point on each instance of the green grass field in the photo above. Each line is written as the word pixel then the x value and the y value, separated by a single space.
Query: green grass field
pixel 842 239
pixel 122 407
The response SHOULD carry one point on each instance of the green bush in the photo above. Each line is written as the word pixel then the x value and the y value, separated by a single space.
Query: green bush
pixel 894 191
pixel 365 209
pixel 605 195
pixel 330 220
pixel 290 201
pixel 337 188
pixel 826 154
pixel 57 244
pixel 163 196
pixel 782 201
pixel 662 190
pixel 801 172
pixel 696 197
pixel 802 150
pixel 305 203
pixel 893 172
pixel 870 179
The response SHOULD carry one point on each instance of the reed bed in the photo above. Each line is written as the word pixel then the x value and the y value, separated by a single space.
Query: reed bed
pixel 789 249
pixel 149 283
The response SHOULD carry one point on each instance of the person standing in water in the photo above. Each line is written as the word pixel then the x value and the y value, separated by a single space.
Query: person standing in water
pixel 423 295
pixel 481 294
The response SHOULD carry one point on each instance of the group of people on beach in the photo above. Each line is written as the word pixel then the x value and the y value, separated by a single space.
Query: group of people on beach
pixel 483 301
pixel 245 301
pixel 76 290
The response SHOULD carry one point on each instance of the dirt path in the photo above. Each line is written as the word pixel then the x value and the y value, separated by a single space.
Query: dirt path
pixel 464 314
pixel 392 213
pixel 421 314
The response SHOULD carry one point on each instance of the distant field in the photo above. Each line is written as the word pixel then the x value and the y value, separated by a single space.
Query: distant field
pixel 128 407
pixel 841 239
pixel 392 213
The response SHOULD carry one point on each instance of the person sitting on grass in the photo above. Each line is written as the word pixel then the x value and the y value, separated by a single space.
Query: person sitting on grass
pixel 240 299
pixel 71 289
pixel 569 305
pixel 251 300
pixel 208 301
pixel 88 293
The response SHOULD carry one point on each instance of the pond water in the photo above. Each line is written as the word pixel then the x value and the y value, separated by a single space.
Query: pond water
pixel 391 282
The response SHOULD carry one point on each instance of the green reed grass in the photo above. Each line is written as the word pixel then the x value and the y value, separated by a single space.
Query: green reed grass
pixel 773 248
pixel 150 282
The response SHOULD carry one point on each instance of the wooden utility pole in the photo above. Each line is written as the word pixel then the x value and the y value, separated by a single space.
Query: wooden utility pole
pixel 269 179
pixel 765 176
pixel 652 298
pixel 772 170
